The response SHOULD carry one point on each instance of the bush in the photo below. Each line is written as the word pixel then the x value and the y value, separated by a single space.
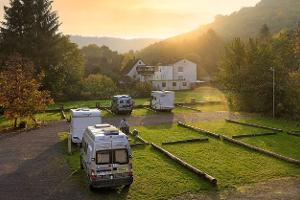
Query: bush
pixel 143 89
pixel 97 86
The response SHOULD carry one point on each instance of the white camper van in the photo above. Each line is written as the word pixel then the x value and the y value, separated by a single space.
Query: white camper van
pixel 81 118
pixel 122 104
pixel 105 155
pixel 162 100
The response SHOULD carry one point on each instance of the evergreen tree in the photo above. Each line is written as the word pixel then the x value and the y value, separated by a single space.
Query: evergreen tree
pixel 264 32
pixel 30 28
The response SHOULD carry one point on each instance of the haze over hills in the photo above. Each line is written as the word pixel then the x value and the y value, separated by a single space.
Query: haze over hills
pixel 205 44
pixel 115 44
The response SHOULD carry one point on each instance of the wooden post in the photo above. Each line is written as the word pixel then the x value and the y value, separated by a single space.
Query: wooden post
pixel 69 144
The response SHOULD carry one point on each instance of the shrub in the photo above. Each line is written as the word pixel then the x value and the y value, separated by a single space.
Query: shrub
pixel 97 86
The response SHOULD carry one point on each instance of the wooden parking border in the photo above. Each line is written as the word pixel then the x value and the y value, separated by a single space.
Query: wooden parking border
pixel 188 107
pixel 186 141
pixel 252 135
pixel 294 133
pixel 209 133
pixel 254 125
pixel 141 139
pixel 189 167
pixel 242 144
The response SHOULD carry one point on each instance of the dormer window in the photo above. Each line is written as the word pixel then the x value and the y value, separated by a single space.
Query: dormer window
pixel 180 69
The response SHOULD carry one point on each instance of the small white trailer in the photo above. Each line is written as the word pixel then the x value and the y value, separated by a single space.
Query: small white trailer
pixel 81 118
pixel 162 100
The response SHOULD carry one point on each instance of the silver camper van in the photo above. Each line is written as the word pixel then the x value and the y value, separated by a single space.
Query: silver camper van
pixel 105 156
pixel 122 104
pixel 162 100
pixel 81 118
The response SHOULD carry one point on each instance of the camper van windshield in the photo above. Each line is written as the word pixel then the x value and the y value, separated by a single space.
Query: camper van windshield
pixel 103 157
pixel 121 156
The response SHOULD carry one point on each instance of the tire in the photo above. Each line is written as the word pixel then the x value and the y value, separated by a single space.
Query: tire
pixel 81 165
pixel 128 185
pixel 92 188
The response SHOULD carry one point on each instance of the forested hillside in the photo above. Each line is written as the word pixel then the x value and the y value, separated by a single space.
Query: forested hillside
pixel 115 44
pixel 205 44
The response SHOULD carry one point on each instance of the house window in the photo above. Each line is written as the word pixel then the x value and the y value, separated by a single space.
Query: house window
pixel 163 84
pixel 180 69
pixel 174 84
pixel 184 84
pixel 180 77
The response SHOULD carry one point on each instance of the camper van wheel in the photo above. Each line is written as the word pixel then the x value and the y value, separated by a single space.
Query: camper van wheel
pixel 128 185
pixel 92 188
pixel 81 165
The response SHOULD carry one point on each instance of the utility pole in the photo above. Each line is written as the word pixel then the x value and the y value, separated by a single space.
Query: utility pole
pixel 273 70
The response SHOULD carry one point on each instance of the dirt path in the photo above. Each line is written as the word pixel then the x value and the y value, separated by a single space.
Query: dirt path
pixel 164 118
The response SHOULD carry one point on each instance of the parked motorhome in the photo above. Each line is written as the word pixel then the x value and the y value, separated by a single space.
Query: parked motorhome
pixel 81 118
pixel 105 155
pixel 162 100
pixel 122 104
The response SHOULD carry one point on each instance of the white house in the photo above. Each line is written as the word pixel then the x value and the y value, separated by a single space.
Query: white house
pixel 181 75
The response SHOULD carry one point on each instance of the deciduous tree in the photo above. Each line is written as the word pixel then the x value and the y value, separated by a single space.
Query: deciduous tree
pixel 20 93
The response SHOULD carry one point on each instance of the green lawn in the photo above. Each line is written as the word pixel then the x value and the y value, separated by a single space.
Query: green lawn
pixel 212 107
pixel 199 94
pixel 232 165
pixel 280 143
pixel 41 117
pixel 155 176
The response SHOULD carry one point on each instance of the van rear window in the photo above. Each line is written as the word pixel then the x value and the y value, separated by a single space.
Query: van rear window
pixel 103 157
pixel 121 156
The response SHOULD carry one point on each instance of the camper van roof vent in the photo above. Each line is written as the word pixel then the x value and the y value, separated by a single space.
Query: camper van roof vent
pixel 102 125
pixel 82 109
pixel 113 132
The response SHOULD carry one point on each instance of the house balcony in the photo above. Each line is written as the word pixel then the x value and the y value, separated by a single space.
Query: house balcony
pixel 145 70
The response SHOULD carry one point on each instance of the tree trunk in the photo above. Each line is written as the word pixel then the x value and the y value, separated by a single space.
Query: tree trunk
pixel 15 123
pixel 34 120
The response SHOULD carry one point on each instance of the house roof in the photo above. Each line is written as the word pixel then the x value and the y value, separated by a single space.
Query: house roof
pixel 129 65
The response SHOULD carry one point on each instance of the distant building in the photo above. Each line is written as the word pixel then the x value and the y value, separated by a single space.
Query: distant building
pixel 181 75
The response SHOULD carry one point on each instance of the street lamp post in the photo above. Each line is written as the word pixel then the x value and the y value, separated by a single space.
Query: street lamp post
pixel 273 70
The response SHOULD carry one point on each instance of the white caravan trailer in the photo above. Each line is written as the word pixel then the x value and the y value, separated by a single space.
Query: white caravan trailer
pixel 162 100
pixel 105 156
pixel 81 118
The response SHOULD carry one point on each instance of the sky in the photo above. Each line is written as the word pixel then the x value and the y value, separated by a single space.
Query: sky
pixel 138 18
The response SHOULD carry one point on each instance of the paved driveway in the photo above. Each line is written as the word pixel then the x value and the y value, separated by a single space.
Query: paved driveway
pixel 32 166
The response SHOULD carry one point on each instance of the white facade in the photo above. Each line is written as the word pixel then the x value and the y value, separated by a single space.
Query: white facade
pixel 178 76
